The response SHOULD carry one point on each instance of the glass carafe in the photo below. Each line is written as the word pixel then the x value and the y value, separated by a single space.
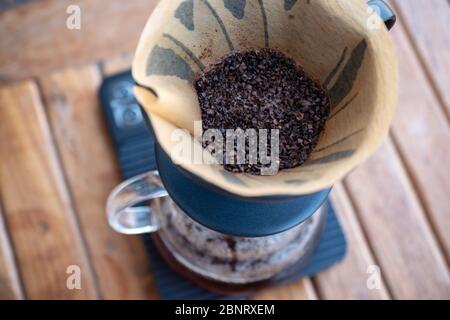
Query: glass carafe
pixel 213 255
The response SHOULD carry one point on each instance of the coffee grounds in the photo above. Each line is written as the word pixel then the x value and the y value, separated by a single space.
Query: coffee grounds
pixel 263 90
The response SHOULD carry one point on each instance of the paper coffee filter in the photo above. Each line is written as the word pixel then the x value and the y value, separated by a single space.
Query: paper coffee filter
pixel 339 43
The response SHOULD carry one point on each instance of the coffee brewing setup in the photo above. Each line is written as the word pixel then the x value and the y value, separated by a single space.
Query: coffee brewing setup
pixel 219 228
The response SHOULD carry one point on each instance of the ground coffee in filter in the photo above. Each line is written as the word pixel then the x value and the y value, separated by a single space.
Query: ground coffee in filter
pixel 263 89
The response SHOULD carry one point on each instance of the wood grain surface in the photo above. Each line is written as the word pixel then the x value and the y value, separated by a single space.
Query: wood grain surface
pixel 427 25
pixel 396 227
pixel 37 207
pixel 348 280
pixel 35 39
pixel 421 133
pixel 57 165
pixel 10 286
pixel 86 152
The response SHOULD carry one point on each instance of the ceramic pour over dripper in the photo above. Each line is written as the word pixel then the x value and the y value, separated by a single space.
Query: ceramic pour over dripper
pixel 341 43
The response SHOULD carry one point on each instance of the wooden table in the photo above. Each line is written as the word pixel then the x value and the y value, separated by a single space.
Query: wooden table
pixel 57 165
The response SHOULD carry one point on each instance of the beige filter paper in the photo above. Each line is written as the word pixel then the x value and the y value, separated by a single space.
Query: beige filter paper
pixel 341 43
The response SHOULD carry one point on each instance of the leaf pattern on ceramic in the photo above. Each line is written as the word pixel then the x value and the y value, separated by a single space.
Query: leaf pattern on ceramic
pixel 185 13
pixel 186 50
pixel 296 181
pixel 236 7
pixel 339 141
pixel 289 4
pixel 331 158
pixel 221 24
pixel 166 62
pixel 336 68
pixel 266 24
pixel 345 106
pixel 346 79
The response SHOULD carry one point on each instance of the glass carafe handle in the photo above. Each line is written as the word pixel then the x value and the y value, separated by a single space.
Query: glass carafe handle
pixel 126 209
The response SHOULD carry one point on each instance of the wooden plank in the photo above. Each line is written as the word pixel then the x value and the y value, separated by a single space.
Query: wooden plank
pixel 36 204
pixel 427 23
pixel 10 287
pixel 348 279
pixel 422 136
pixel 117 64
pixel 396 227
pixel 303 290
pixel 120 261
pixel 42 42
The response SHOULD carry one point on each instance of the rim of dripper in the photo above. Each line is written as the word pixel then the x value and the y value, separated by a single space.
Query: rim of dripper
pixel 153 37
